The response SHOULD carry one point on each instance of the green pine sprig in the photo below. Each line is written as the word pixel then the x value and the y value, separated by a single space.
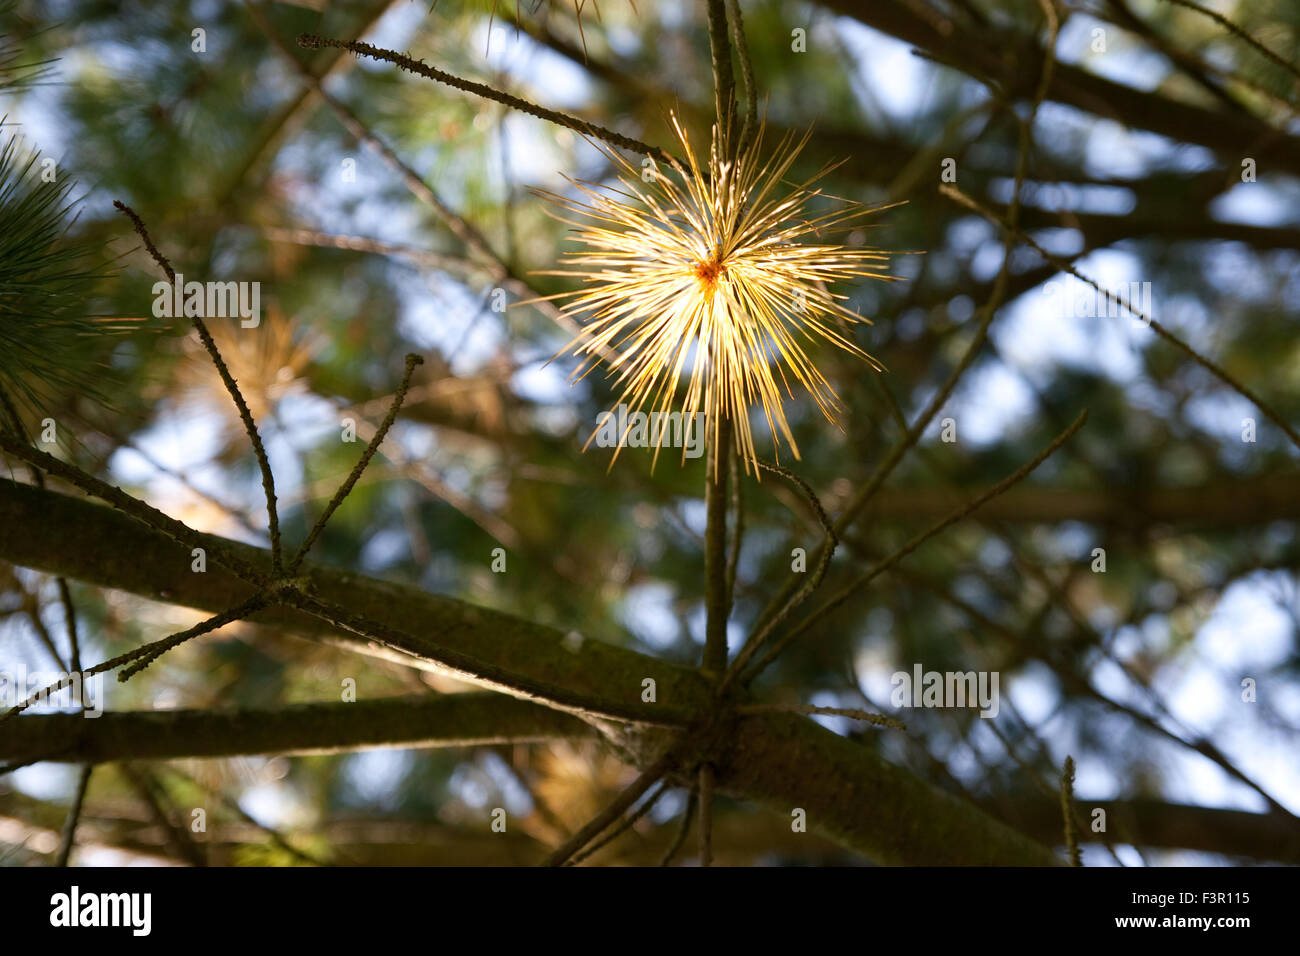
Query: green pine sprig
pixel 15 75
pixel 51 336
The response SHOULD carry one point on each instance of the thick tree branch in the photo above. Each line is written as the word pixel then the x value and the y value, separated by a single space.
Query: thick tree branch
pixel 42 529
pixel 859 798
pixel 1153 823
pixel 455 720
pixel 1246 501
pixel 741 837
pixel 782 760
pixel 1017 60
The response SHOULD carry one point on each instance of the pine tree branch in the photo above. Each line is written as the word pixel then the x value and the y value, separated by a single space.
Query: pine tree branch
pixel 1068 814
pixel 1161 825
pixel 825 553
pixel 425 721
pixel 497 268
pixel 241 406
pixel 724 83
pixel 630 795
pixel 1017 59
pixel 1159 328
pixel 1237 31
pixel 717 603
pixel 116 551
pixel 774 759
pixel 146 515
pixel 68 839
pixel 349 483
pixel 313 41
pixel 880 567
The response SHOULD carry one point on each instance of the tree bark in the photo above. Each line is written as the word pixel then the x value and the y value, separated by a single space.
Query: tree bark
pixel 783 761
pixel 1154 823
pixel 1249 501
pixel 454 720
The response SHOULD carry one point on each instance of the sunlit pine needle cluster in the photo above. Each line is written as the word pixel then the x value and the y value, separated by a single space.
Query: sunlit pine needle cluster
pixel 721 272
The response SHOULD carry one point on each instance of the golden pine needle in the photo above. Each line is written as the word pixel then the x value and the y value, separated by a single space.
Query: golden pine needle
pixel 712 268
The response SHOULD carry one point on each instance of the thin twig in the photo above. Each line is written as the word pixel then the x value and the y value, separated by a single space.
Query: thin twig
pixel 345 489
pixel 1239 32
pixel 683 830
pixel 857 584
pixel 910 437
pixel 1067 807
pixel 313 41
pixel 629 821
pixel 1037 777
pixel 250 427
pixel 31 607
pixel 706 814
pixel 824 555
pixel 70 617
pixel 811 710
pixel 750 124
pixel 144 655
pixel 69 837
pixel 647 779
pixel 1214 369
pixel 275 835
pixel 324 240
pixel 715 552
pixel 461 228
pixel 154 796
pixel 737 528
pixel 1078 684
